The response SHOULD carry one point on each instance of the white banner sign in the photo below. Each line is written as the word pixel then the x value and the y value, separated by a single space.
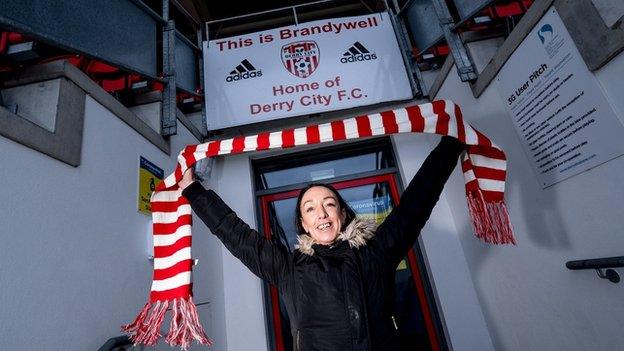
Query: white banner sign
pixel 565 123
pixel 313 67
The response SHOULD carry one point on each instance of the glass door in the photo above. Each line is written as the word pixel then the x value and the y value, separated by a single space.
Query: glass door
pixel 373 197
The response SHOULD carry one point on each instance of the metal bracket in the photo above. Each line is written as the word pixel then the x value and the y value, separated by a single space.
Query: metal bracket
pixel 168 119
pixel 609 274
pixel 200 62
pixel 446 20
pixel 10 107
pixel 602 266
pixel 465 67
pixel 168 123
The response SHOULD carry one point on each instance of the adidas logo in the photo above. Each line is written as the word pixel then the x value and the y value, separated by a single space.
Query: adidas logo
pixel 245 70
pixel 357 52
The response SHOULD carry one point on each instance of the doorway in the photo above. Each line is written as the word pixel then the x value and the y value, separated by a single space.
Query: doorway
pixel 367 177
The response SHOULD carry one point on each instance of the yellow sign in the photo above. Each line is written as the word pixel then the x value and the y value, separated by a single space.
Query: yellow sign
pixel 377 209
pixel 149 176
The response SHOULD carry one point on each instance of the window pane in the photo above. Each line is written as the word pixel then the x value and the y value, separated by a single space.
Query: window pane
pixel 323 165
pixel 321 170
pixel 282 215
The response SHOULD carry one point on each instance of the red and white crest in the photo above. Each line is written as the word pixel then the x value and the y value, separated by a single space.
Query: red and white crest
pixel 301 58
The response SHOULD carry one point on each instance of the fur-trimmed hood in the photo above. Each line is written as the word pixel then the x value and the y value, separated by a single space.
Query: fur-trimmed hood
pixel 357 233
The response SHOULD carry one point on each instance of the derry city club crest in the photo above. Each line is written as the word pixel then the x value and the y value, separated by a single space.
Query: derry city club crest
pixel 301 58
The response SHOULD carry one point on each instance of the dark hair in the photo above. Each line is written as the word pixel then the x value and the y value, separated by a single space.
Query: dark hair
pixel 350 214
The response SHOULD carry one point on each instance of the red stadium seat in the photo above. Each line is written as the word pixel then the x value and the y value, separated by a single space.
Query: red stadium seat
pixel 4 42
pixel 113 85
pixel 98 68
pixel 16 38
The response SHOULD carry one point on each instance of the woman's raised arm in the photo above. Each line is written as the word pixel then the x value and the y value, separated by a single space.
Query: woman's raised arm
pixel 265 259
pixel 401 228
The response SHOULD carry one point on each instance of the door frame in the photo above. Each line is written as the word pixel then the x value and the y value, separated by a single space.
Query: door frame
pixel 433 322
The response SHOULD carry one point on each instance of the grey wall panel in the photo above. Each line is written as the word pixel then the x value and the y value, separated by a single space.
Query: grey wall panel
pixel 468 8
pixel 186 65
pixel 423 24
pixel 116 31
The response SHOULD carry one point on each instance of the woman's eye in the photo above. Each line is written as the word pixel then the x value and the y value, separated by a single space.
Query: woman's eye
pixel 331 204
pixel 309 209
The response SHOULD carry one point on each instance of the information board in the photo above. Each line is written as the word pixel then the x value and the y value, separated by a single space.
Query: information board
pixel 564 121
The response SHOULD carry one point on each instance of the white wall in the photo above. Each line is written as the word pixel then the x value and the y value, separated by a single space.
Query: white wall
pixel 529 299
pixel 244 307
pixel 73 247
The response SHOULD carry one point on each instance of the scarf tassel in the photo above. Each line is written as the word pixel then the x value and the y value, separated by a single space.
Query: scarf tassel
pixel 490 220
pixel 183 329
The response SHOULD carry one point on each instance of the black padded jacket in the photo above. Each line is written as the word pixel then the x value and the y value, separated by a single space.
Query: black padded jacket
pixel 338 297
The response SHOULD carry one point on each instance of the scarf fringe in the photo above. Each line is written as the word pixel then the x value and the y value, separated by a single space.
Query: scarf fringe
pixel 183 329
pixel 146 327
pixel 185 326
pixel 490 220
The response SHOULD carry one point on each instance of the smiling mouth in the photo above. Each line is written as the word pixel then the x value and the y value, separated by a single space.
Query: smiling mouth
pixel 323 226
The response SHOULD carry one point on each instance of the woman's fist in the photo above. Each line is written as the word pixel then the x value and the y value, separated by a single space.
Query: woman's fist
pixel 187 178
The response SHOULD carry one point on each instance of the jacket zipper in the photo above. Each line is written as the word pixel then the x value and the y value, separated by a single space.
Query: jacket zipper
pixel 297 343
pixel 346 302
pixel 358 264
pixel 396 327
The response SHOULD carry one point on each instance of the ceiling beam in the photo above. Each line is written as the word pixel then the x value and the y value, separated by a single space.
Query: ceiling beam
pixel 187 8
pixel 202 10
pixel 250 26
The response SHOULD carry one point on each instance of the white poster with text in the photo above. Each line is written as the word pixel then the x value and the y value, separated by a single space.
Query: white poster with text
pixel 297 70
pixel 559 110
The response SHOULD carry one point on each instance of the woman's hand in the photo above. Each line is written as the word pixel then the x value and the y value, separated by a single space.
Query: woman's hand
pixel 187 178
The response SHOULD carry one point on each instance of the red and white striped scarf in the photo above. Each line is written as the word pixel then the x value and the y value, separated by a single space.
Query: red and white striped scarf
pixel 484 167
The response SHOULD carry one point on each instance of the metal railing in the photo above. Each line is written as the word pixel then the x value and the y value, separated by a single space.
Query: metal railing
pixel 116 343
pixel 603 266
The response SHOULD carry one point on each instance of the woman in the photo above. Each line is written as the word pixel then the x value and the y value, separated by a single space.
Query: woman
pixel 338 284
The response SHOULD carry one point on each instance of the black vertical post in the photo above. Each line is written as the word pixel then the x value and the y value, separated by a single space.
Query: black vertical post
pixel 200 63
pixel 168 122
pixel 415 77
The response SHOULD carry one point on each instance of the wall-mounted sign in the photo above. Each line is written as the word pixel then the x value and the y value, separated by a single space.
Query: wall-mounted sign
pixel 313 67
pixel 559 110
pixel 149 176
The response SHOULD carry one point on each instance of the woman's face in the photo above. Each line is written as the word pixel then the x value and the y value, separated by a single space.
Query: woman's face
pixel 321 215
